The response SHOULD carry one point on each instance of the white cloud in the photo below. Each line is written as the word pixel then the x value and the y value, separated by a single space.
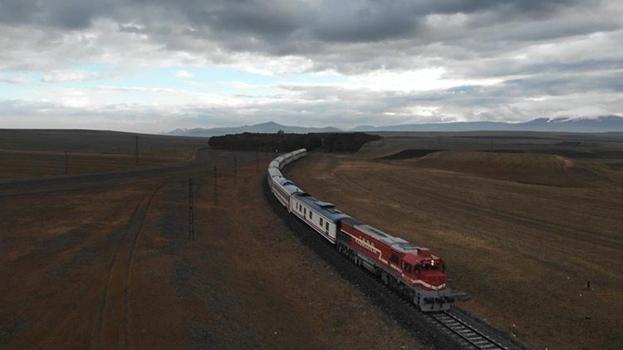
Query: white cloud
pixel 411 80
pixel 182 74
pixel 15 79
pixel 65 76
pixel 383 61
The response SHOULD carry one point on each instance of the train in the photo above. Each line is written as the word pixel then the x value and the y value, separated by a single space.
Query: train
pixel 413 271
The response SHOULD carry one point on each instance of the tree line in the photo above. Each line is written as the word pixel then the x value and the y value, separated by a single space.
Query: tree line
pixel 282 142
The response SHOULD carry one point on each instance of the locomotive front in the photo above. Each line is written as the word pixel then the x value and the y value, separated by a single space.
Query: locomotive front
pixel 427 275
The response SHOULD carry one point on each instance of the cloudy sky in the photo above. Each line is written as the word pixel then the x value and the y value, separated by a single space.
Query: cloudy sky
pixel 156 65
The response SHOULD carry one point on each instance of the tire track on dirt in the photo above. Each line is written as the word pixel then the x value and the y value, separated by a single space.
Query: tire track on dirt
pixel 111 328
pixel 54 184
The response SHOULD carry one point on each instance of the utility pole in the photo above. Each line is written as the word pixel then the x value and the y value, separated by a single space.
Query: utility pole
pixel 66 162
pixel 191 211
pixel 136 149
pixel 235 170
pixel 215 186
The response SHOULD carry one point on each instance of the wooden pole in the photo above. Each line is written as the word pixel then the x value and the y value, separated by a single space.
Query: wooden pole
pixel 66 162
pixel 136 149
pixel 215 186
pixel 235 170
pixel 191 211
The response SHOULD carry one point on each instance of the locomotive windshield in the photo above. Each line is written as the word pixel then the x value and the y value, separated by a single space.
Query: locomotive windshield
pixel 429 265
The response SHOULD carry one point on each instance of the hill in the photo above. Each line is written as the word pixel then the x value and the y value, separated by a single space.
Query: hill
pixel 262 128
pixel 282 142
pixel 599 124
pixel 611 123
pixel 529 168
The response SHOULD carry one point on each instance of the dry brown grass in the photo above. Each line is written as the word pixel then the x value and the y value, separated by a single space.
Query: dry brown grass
pixel 17 165
pixel 42 153
pixel 523 251
pixel 530 168
pixel 68 266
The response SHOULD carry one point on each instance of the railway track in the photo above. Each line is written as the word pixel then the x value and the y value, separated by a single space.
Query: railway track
pixel 470 333
pixel 463 328
pixel 465 331
pixel 454 329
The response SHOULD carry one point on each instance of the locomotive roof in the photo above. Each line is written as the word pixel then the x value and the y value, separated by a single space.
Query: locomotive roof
pixel 324 208
pixel 397 243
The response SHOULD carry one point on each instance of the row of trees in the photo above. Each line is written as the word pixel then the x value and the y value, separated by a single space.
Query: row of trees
pixel 282 142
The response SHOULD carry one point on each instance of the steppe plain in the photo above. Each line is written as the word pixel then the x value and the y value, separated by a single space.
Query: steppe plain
pixel 98 255
pixel 523 220
pixel 104 260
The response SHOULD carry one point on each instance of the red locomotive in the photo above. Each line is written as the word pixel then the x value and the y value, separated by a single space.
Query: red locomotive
pixel 411 270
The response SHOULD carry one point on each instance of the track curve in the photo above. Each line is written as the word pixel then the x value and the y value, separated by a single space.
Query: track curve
pixel 454 329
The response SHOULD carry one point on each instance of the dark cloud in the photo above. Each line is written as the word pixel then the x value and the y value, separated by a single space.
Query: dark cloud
pixel 554 49
pixel 69 14
pixel 18 11
pixel 272 21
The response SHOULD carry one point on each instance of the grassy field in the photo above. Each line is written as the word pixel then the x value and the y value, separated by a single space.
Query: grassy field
pixel 109 264
pixel 523 228
pixel 38 153
pixel 106 262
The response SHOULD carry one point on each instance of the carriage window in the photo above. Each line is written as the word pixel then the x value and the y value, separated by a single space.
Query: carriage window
pixel 311 215
pixel 327 226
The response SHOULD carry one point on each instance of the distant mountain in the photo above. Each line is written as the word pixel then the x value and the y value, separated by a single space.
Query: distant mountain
pixel 563 124
pixel 598 124
pixel 454 126
pixel 265 128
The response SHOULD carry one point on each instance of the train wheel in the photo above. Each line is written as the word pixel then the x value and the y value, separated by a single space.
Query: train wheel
pixel 416 301
pixel 385 278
